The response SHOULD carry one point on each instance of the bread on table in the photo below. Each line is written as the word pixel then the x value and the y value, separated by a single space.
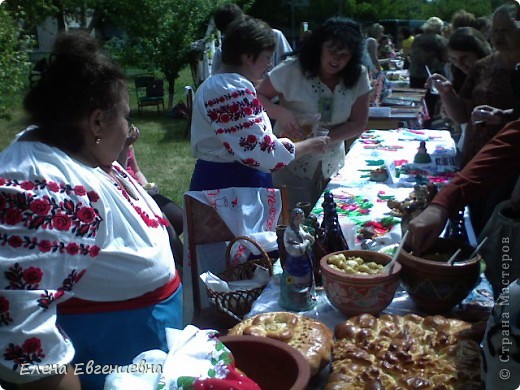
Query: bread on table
pixel 309 336
pixel 405 352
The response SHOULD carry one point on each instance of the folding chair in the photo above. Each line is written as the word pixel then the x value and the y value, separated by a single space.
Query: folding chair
pixel 149 92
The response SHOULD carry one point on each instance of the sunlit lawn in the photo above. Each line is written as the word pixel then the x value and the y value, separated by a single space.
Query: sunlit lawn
pixel 163 152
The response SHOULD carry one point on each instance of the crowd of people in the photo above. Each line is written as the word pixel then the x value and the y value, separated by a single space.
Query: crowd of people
pixel 90 253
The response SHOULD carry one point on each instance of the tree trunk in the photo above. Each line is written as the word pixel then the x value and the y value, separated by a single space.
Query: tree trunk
pixel 171 92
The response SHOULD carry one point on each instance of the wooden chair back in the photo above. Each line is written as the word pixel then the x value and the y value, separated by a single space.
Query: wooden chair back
pixel 205 226
pixel 149 91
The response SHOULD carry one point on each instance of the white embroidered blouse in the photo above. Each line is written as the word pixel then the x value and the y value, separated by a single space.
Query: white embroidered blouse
pixel 68 230
pixel 230 124
pixel 310 95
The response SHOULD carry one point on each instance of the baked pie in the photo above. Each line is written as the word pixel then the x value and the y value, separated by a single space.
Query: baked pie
pixel 394 352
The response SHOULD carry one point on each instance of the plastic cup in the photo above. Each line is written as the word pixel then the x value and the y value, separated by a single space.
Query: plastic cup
pixel 321 132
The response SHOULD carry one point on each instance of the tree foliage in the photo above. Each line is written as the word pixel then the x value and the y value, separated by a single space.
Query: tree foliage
pixel 157 35
pixel 14 62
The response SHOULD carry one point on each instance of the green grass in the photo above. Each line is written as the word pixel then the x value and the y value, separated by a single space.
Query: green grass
pixel 162 151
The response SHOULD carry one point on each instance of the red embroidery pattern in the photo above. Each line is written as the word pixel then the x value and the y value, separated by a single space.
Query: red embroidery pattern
pixel 249 142
pixel 46 212
pixel 233 107
pixel 5 317
pixel 251 162
pixel 150 222
pixel 23 279
pixel 30 352
pixel 48 246
pixel 267 144
pixel 48 297
pixel 278 166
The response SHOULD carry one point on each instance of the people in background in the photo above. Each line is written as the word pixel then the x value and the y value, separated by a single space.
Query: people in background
pixel 231 134
pixel 86 270
pixel 462 18
pixel 488 83
pixel 227 13
pixel 465 47
pixel 429 49
pixel 385 48
pixel 326 78
pixel 406 45
pixel 370 49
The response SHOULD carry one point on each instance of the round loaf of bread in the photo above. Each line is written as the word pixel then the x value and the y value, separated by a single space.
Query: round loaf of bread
pixel 309 336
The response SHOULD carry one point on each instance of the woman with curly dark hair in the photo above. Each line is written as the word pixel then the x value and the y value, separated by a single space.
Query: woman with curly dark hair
pixel 327 78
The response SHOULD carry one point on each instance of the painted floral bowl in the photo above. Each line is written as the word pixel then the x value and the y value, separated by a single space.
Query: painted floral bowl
pixel 434 285
pixel 354 294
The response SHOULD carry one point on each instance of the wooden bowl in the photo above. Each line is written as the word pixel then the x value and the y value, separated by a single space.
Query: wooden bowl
pixel 354 294
pixel 272 364
pixel 434 285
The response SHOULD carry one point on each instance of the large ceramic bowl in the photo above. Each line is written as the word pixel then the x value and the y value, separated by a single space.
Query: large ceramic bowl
pixel 434 285
pixel 354 294
pixel 272 364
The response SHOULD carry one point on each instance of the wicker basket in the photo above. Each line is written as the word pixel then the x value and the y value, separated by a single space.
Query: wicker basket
pixel 235 304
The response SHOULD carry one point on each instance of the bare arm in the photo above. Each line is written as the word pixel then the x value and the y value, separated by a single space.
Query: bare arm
pixel 356 124
pixel 457 108
pixel 287 118
pixel 372 52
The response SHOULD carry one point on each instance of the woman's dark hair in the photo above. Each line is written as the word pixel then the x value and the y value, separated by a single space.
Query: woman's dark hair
pixel 225 15
pixel 246 35
pixel 78 79
pixel 467 39
pixel 344 33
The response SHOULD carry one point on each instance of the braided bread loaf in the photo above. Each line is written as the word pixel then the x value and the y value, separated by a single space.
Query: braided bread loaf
pixel 395 352
pixel 311 337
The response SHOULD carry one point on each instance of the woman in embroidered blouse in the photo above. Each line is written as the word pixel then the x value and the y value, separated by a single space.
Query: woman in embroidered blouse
pixel 87 277
pixel 326 77
pixel 231 135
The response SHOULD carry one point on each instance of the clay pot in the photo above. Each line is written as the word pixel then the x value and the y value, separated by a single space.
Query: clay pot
pixel 436 286
pixel 272 364
pixel 355 294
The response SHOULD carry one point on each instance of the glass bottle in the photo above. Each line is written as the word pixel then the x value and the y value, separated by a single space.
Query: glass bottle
pixel 334 240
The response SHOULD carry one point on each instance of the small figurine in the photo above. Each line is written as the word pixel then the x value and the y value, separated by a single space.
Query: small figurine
pixel 379 175
pixel 297 281
pixel 422 156
pixel 413 205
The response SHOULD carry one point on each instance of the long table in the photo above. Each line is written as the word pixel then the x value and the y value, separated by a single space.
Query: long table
pixel 361 202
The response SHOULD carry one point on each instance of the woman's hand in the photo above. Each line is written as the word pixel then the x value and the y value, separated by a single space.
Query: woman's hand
pixel 133 135
pixel 441 83
pixel 487 114
pixel 289 121
pixel 312 145
pixel 426 227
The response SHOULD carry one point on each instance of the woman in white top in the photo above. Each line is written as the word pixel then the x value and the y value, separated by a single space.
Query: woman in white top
pixel 231 135
pixel 87 277
pixel 326 77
